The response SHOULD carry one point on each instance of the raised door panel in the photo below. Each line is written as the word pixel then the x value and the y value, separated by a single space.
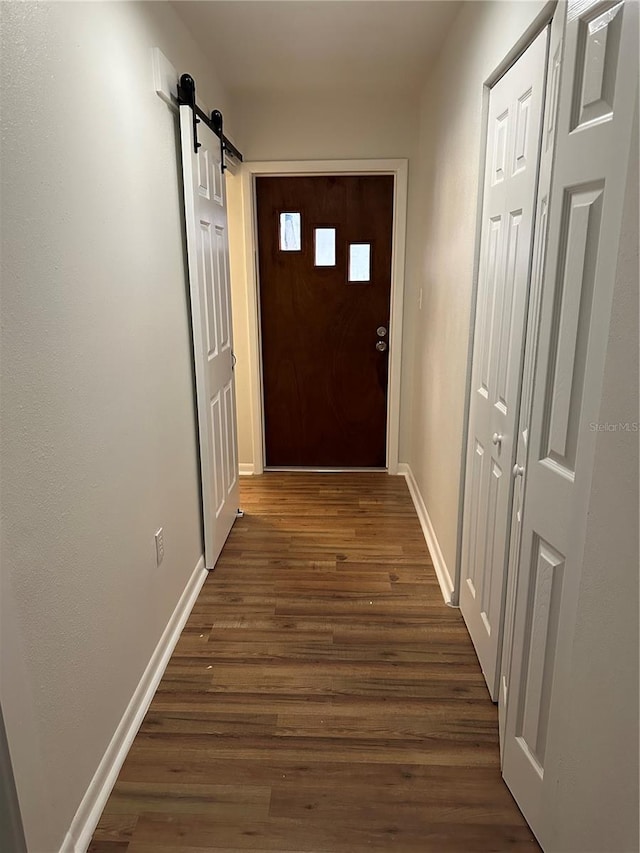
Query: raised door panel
pixel 217 452
pixel 540 634
pixel 492 551
pixel 597 64
pixel 210 306
pixel 222 287
pixel 525 148
pixel 475 503
pixel 230 451
pixel 580 238
pixel 508 343
pixel 500 142
pixel 491 288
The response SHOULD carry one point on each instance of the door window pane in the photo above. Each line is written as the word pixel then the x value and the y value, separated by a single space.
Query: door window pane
pixel 325 247
pixel 360 262
pixel 290 238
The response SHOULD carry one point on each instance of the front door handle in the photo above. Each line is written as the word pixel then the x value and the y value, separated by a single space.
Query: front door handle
pixel 381 346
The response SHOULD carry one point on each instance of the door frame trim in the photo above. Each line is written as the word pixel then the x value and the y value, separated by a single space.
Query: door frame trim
pixel 276 168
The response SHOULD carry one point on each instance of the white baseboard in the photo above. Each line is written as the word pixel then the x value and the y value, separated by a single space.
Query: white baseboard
pixel 246 469
pixel 439 565
pixel 86 818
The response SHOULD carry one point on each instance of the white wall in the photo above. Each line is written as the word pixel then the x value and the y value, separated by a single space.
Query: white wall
pixel 316 127
pixel 443 200
pixel 98 431
pixel 331 127
pixel 241 321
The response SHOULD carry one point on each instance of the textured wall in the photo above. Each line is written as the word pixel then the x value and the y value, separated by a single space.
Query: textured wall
pixel 98 431
pixel 440 254
pixel 318 126
pixel 241 320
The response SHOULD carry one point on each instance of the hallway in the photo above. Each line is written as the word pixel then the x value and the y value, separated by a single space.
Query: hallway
pixel 321 697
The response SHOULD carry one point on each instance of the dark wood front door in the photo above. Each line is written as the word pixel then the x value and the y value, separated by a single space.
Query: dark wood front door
pixel 324 248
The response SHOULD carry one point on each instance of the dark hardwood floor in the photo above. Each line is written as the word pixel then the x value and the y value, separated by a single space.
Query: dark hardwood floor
pixel 321 697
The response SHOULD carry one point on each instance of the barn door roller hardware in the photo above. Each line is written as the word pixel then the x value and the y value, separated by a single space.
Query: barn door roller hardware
pixel 187 95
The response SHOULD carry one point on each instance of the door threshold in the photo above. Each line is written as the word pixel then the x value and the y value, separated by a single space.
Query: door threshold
pixel 311 470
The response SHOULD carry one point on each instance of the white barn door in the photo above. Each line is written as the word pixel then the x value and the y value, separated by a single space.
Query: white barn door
pixel 208 255
pixel 598 96
pixel 511 173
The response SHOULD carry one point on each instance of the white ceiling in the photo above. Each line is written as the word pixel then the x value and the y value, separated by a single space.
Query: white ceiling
pixel 291 46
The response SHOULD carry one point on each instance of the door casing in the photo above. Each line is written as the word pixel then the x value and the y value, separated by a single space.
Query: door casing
pixel 399 169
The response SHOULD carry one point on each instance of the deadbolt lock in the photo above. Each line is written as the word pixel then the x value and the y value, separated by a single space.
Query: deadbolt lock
pixel 381 331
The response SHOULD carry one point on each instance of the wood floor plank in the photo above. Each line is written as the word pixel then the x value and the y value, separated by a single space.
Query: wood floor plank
pixel 116 827
pixel 321 698
pixel 326 836
pixel 321 804
pixel 98 846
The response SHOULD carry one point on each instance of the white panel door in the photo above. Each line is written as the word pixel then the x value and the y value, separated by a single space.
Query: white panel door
pixel 531 337
pixel 511 172
pixel 208 255
pixel 598 93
